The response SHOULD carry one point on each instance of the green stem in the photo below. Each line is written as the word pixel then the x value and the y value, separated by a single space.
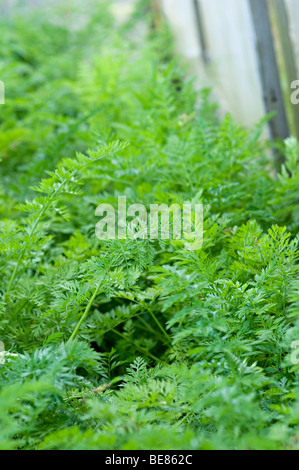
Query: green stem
pixel 76 330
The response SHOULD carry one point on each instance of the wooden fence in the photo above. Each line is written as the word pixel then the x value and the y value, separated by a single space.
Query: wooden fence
pixel 247 51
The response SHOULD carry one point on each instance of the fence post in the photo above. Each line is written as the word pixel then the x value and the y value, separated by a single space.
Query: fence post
pixel 269 72
pixel 2 93
pixel 201 32
pixel 288 55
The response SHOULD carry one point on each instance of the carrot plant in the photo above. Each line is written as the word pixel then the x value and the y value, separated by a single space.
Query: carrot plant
pixel 138 343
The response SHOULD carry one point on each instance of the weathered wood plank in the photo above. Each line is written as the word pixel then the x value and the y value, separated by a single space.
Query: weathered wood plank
pixel 288 54
pixel 269 72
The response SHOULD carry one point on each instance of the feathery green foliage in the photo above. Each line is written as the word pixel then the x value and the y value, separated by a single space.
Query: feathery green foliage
pixel 138 343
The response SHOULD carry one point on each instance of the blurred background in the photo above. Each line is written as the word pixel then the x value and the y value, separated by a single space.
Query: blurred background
pixel 246 51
